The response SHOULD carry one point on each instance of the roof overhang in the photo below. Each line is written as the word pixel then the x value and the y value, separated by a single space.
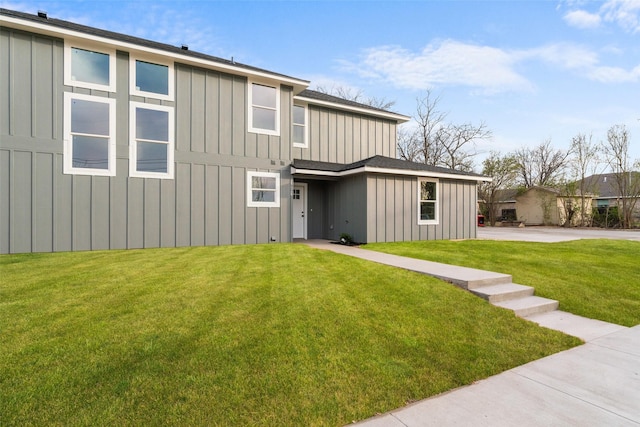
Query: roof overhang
pixel 334 105
pixel 386 171
pixel 64 33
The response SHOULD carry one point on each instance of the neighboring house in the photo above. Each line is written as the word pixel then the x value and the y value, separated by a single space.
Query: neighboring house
pixel 540 206
pixel 108 141
pixel 605 190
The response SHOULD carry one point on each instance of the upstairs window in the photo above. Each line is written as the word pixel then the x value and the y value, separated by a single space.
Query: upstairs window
pixel 263 189
pixel 89 135
pixel 264 109
pixel 152 141
pixel 89 68
pixel 427 201
pixel 300 126
pixel 151 78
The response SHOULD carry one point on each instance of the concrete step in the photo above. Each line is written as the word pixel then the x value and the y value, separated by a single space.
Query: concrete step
pixel 503 292
pixel 476 279
pixel 528 306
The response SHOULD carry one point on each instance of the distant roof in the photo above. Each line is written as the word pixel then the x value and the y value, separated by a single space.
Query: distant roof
pixel 507 195
pixel 382 163
pixel 605 185
pixel 176 50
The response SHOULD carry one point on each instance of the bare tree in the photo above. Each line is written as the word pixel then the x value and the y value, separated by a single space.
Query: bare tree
pixel 357 96
pixel 458 144
pixel 503 169
pixel 542 165
pixel 583 161
pixel 616 153
pixel 438 143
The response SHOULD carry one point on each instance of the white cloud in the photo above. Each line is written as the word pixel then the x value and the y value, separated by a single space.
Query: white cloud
pixel 582 19
pixel 615 75
pixel 624 13
pixel 485 69
pixel 564 55
pixel 447 62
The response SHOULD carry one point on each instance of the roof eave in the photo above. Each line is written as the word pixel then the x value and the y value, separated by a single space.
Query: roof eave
pixel 388 171
pixel 399 118
pixel 64 33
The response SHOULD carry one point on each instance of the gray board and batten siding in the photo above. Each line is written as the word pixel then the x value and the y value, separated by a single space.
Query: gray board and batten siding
pixel 205 203
pixel 43 210
pixel 376 207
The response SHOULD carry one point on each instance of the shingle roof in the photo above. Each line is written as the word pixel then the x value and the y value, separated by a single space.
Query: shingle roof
pixel 381 162
pixel 321 96
pixel 133 40
pixel 604 185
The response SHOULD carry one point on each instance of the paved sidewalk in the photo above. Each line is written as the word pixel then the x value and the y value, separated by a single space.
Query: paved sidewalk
pixel 596 384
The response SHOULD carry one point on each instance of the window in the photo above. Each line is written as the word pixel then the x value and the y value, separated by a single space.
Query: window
pixel 299 126
pixel 263 189
pixel 151 78
pixel 151 145
pixel 428 201
pixel 264 110
pixel 89 68
pixel 89 135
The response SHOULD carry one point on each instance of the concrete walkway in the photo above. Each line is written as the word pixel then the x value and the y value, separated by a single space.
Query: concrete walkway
pixel 554 234
pixel 595 384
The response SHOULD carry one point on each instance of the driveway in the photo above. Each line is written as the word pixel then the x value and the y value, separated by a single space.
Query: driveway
pixel 554 234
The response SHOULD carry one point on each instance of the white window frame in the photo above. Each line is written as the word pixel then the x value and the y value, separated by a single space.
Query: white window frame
pixel 436 202
pixel 133 141
pixel 253 204
pixel 68 45
pixel 305 144
pixel 254 129
pixel 133 77
pixel 68 137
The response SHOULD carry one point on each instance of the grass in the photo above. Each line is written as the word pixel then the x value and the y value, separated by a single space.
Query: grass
pixel 241 335
pixel 598 279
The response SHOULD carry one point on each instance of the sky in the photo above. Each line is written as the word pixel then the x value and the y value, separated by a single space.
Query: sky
pixel 530 70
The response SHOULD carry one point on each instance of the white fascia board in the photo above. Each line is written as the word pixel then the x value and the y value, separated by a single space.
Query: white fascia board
pixel 388 115
pixel 369 169
pixel 64 33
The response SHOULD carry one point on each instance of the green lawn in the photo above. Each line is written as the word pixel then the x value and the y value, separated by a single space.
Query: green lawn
pixel 599 279
pixel 240 335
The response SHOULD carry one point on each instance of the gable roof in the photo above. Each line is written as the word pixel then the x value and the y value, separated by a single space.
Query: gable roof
pixel 380 164
pixel 62 29
pixel 320 98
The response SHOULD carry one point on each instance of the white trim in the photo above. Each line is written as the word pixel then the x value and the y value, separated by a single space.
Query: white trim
pixel 250 202
pixel 407 172
pixel 50 30
pixel 305 207
pixel 370 112
pixel 93 47
pixel 436 202
pixel 305 106
pixel 133 141
pixel 254 129
pixel 67 163
pixel 133 58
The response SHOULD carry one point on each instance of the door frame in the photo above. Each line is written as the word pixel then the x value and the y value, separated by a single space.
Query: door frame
pixel 305 197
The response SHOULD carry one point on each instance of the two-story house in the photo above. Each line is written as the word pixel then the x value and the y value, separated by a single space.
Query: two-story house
pixel 109 141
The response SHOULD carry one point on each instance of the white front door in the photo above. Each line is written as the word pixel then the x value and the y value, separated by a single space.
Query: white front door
pixel 299 211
